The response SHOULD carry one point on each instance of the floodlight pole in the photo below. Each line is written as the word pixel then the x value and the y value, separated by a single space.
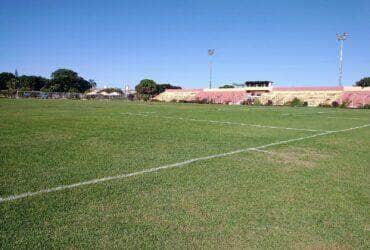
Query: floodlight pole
pixel 341 38
pixel 210 54
pixel 340 76
pixel 210 73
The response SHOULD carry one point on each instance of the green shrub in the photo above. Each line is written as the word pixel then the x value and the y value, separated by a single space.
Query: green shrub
pixel 257 102
pixel 296 102
pixel 324 105
pixel 247 102
pixel 335 104
pixel 203 101
pixel 344 104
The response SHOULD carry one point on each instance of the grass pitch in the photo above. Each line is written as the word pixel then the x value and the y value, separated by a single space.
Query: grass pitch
pixel 310 193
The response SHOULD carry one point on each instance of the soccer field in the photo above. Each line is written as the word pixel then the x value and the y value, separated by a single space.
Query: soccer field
pixel 115 174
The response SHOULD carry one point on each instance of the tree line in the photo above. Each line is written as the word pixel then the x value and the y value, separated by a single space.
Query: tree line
pixel 66 80
pixel 61 80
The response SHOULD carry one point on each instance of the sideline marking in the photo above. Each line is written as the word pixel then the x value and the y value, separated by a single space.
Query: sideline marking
pixel 262 151
pixel 224 122
pixel 328 117
pixel 174 165
pixel 346 118
pixel 299 114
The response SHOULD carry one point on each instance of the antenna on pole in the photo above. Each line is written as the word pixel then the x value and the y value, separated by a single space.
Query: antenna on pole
pixel 341 38
pixel 211 52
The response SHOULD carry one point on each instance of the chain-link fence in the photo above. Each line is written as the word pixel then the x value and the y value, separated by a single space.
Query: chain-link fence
pixel 61 95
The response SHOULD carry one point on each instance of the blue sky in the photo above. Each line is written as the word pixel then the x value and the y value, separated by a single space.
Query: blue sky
pixel 115 42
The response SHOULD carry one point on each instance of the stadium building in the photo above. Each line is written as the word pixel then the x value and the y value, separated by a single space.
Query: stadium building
pixel 265 93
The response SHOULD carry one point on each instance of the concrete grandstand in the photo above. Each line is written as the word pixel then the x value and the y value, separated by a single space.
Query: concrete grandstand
pixel 355 97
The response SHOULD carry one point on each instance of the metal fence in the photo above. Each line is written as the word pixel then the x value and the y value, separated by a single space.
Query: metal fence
pixel 59 95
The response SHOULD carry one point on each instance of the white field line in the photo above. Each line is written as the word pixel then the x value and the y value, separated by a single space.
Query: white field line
pixel 148 112
pixel 262 151
pixel 244 108
pixel 174 165
pixel 228 109
pixel 299 114
pixel 345 118
pixel 328 117
pixel 224 122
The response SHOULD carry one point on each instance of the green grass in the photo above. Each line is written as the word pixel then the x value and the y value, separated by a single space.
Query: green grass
pixel 312 193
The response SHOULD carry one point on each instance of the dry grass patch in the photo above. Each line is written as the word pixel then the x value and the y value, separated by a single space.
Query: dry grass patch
pixel 323 247
pixel 297 158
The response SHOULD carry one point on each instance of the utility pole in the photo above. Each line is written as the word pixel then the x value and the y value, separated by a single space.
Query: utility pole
pixel 341 38
pixel 210 54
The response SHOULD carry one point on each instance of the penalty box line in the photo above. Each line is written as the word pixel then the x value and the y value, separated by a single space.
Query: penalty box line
pixel 223 122
pixel 174 165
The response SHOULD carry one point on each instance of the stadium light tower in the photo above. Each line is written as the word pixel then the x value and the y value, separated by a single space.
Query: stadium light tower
pixel 211 52
pixel 341 38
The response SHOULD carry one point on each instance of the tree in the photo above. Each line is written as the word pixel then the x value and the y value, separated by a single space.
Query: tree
pixel 5 77
pixel 62 80
pixel 64 73
pixel 92 83
pixel 162 87
pixel 12 84
pixel 33 83
pixel 146 89
pixel 227 86
pixel 364 82
pixel 66 80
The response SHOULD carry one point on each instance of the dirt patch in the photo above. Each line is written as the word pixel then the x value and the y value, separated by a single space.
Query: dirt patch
pixel 296 158
pixel 322 247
